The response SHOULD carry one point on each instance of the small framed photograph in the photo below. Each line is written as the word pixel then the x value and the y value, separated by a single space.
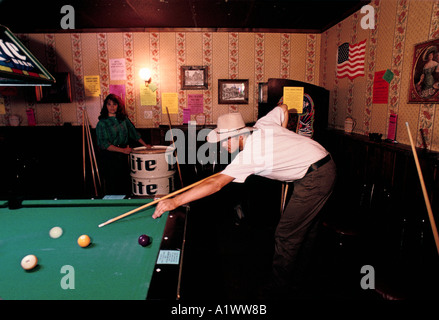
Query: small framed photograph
pixel 233 91
pixel 194 77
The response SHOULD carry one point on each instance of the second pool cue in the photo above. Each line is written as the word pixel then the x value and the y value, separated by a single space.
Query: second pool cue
pixel 282 192
pixel 93 150
pixel 83 149
pixel 424 190
pixel 156 201
pixel 87 133
pixel 284 195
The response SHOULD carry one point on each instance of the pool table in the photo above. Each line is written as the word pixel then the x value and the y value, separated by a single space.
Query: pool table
pixel 113 266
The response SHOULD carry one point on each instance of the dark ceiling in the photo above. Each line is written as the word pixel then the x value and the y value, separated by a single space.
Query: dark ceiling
pixel 22 16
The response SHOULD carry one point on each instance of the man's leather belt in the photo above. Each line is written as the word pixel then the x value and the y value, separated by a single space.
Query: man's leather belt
pixel 319 163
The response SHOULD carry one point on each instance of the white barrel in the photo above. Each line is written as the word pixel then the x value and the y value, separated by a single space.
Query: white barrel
pixel 152 171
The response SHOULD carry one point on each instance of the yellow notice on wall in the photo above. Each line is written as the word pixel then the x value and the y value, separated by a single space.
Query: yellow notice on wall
pixel 92 86
pixel 293 98
pixel 170 100
pixel 147 96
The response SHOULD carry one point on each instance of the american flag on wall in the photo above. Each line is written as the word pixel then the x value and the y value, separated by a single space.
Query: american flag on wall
pixel 350 60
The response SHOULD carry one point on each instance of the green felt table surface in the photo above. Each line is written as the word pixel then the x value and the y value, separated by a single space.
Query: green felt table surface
pixel 114 266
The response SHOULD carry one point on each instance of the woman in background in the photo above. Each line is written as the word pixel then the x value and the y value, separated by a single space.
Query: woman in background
pixel 114 132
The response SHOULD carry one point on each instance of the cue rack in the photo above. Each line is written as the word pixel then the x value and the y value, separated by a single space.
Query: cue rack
pixel 87 145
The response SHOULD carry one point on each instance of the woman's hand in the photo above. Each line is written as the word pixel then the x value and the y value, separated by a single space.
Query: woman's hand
pixel 127 150
pixel 146 145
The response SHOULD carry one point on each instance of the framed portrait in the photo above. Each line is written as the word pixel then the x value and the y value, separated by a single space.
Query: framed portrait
pixel 194 77
pixel 233 91
pixel 424 81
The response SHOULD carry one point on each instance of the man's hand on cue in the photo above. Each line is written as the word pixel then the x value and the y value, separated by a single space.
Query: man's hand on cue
pixel 163 206
pixel 204 188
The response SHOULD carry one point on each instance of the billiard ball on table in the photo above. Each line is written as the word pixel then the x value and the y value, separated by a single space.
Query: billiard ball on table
pixel 55 232
pixel 84 241
pixel 144 240
pixel 29 262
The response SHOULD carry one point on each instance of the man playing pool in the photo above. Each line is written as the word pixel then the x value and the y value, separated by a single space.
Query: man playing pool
pixel 272 151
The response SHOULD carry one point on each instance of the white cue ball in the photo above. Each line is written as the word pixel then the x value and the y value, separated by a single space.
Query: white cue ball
pixel 29 262
pixel 55 232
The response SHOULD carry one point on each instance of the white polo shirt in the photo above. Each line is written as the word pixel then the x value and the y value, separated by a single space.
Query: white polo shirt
pixel 275 152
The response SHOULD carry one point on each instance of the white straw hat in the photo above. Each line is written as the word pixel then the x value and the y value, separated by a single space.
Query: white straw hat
pixel 228 125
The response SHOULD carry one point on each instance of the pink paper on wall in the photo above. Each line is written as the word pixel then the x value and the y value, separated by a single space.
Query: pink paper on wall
pixel 30 117
pixel 119 90
pixel 380 88
pixel 195 103
pixel 391 132
pixel 186 115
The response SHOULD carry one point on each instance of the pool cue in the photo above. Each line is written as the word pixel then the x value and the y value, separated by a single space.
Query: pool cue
pixel 156 201
pixel 173 144
pixel 282 193
pixel 85 119
pixel 94 158
pixel 181 263
pixel 87 133
pixel 83 147
pixel 424 190
pixel 93 152
pixel 284 197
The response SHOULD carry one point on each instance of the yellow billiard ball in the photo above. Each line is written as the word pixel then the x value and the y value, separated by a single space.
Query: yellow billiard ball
pixel 29 262
pixel 84 240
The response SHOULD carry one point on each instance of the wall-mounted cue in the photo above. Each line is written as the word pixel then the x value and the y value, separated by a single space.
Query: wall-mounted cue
pixel 92 155
pixel 87 140
pixel 156 201
pixel 424 191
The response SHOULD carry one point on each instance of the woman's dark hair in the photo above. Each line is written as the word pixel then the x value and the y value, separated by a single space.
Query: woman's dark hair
pixel 120 112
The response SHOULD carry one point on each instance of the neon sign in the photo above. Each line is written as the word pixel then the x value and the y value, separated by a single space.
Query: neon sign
pixel 18 67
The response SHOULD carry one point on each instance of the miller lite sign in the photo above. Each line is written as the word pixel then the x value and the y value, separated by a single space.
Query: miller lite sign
pixel 18 67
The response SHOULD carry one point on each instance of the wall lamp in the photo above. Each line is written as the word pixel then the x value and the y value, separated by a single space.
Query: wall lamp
pixel 145 74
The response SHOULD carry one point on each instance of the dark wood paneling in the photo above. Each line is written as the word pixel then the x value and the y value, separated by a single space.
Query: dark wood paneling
pixel 378 187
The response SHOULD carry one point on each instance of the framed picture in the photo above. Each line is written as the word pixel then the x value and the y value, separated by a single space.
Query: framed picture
pixel 233 91
pixel 193 78
pixel 424 81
